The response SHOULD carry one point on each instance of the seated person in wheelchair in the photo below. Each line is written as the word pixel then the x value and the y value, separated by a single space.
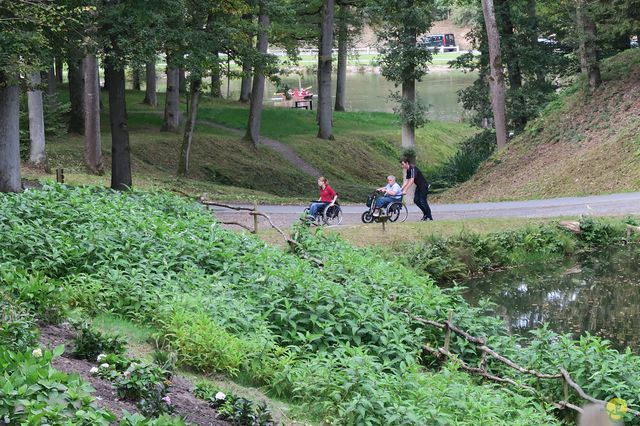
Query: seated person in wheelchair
pixel 327 198
pixel 392 193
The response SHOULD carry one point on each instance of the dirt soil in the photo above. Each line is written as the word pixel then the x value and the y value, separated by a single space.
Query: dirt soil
pixel 192 409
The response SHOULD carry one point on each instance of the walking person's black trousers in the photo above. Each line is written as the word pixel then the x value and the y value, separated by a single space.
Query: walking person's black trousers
pixel 420 199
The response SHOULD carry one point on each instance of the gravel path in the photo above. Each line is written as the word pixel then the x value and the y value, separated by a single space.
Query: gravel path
pixel 611 204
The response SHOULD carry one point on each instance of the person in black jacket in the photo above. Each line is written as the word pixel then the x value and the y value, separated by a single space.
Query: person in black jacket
pixel 414 175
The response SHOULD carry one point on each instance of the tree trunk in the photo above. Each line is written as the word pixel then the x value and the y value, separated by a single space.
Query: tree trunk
pixel 185 150
pixel 182 80
pixel 216 81
pixel 120 155
pixel 51 84
pixel 58 68
pixel 257 91
pixel 10 180
pixel 92 138
pixel 172 102
pixel 76 87
pixel 343 44
pixel 324 89
pixel 105 86
pixel 509 45
pixel 37 153
pixel 409 129
pixel 135 74
pixel 245 85
pixel 496 79
pixel 588 44
pixel 150 97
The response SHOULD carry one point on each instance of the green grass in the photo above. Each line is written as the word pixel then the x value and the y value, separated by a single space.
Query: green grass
pixel 365 150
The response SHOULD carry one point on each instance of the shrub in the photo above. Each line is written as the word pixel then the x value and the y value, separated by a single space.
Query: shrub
pixel 18 330
pixel 89 343
pixel 139 420
pixel 240 411
pixel 33 392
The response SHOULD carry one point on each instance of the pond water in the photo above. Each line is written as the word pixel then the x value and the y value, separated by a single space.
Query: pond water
pixel 370 92
pixel 599 294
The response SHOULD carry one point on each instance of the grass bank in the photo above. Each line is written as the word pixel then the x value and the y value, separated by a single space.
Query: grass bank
pixel 366 149
pixel 336 340
pixel 582 143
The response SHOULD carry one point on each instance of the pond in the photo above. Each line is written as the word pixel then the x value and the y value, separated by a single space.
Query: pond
pixel 599 294
pixel 370 92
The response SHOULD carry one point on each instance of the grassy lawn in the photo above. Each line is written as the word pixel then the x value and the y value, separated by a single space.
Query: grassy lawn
pixel 366 149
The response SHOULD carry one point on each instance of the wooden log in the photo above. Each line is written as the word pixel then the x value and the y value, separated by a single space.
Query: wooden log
pixel 570 225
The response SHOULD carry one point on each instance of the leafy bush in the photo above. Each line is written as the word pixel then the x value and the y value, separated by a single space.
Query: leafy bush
pixel 139 420
pixel 462 166
pixel 33 392
pixel 42 296
pixel 18 330
pixel 239 411
pixel 89 343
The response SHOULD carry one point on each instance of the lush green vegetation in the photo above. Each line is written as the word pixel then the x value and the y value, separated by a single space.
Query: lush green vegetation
pixel 335 339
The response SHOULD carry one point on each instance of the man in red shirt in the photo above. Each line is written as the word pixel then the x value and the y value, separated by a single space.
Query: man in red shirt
pixel 327 198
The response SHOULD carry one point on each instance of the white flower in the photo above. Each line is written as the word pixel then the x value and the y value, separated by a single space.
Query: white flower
pixel 220 396
pixel 167 399
pixel 93 370
pixel 101 357
pixel 127 373
pixel 104 365
pixel 37 353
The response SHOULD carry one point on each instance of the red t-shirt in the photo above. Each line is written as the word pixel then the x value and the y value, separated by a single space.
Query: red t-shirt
pixel 327 193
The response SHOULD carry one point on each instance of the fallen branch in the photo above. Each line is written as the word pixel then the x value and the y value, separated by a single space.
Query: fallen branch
pixel 570 225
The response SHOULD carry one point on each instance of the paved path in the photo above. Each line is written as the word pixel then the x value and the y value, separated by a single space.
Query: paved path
pixel 612 204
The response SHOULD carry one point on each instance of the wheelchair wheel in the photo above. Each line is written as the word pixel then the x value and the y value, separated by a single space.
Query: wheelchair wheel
pixel 367 217
pixel 397 211
pixel 332 215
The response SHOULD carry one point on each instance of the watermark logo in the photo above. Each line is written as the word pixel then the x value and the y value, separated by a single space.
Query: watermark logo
pixel 616 408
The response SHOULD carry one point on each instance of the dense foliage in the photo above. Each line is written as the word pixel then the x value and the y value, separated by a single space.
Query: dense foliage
pixel 336 339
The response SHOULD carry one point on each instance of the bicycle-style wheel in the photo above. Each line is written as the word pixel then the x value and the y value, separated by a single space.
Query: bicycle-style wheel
pixel 332 215
pixel 367 217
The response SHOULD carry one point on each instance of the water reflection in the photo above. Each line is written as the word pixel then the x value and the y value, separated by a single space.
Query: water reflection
pixel 599 294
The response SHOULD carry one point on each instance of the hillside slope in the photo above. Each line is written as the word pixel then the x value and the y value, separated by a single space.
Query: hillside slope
pixel 581 144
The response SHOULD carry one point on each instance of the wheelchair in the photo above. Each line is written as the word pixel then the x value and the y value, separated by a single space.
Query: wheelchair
pixel 394 211
pixel 328 215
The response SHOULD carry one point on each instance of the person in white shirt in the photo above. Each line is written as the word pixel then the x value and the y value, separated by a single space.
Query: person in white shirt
pixel 392 192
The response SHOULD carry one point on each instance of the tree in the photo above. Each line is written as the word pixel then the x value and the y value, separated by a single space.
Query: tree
pixel 76 95
pixel 9 134
pixel 496 80
pixel 171 121
pixel 325 117
pixel 150 96
pixel 587 34
pixel 343 46
pixel 37 154
pixel 257 91
pixel 92 137
pixel 402 60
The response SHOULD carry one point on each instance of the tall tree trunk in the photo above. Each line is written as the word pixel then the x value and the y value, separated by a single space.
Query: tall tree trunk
pixel 120 152
pixel 182 80
pixel 496 79
pixel 37 153
pixel 408 129
pixel 172 102
pixel 257 91
pixel 105 86
pixel 76 87
pixel 216 81
pixel 185 150
pixel 10 180
pixel 509 44
pixel 92 138
pixel 343 44
pixel 588 44
pixel 58 68
pixel 150 97
pixel 324 91
pixel 135 74
pixel 51 85
pixel 245 84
